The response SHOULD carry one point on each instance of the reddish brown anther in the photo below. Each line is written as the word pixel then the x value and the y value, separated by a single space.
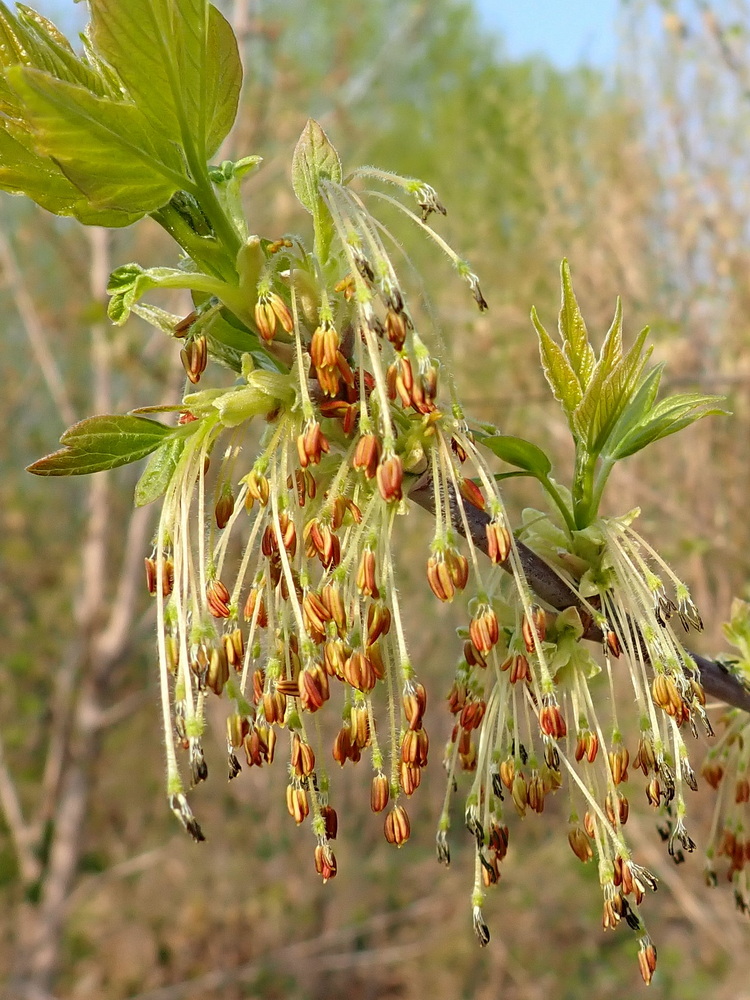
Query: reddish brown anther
pixel 414 703
pixel 359 672
pixel 390 475
pixel 396 826
pixel 325 862
pixel 218 670
pixel 224 508
pixel 534 628
pixel 379 793
pixel 439 578
pixel 313 687
pixel 331 820
pixel 366 583
pixel 194 357
pixel 483 628
pixel 258 488
pixel 296 803
pixel 217 597
pixel 302 759
pixel 367 455
pixel 255 598
pixel 498 542
pixel 618 762
pixel 312 444
pixel 647 960
pixel 395 328
pixel 580 844
pixel 471 492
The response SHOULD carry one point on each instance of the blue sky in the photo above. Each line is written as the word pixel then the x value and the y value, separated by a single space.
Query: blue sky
pixel 567 32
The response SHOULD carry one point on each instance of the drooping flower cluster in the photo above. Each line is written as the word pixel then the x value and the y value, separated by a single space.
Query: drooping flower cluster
pixel 274 577
pixel 530 710
pixel 727 769
pixel 276 587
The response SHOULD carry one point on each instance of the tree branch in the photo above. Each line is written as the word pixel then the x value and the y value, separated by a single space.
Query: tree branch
pixel 549 588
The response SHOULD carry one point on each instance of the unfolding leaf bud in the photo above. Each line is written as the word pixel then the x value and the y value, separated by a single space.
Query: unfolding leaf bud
pixel 379 793
pixel 325 862
pixel 366 583
pixel 217 597
pixel 390 475
pixel 396 826
pixel 194 357
pixel 580 844
pixel 296 803
pixel 313 687
pixel 534 628
pixel 367 455
pixel 498 542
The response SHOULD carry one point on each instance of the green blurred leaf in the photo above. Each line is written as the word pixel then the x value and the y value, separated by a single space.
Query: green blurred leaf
pixel 106 148
pixel 158 472
pixel 180 63
pixel 103 442
pixel 519 452
pixel 557 369
pixel 573 331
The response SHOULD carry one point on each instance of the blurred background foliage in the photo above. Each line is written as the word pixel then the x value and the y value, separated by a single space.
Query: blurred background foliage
pixel 641 178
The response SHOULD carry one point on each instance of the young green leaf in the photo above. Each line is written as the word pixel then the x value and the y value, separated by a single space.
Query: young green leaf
pixel 159 469
pixel 315 161
pixel 130 282
pixel 519 452
pixel 103 442
pixel 557 369
pixel 106 148
pixel 606 398
pixel 573 331
pixel 180 64
pixel 667 417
